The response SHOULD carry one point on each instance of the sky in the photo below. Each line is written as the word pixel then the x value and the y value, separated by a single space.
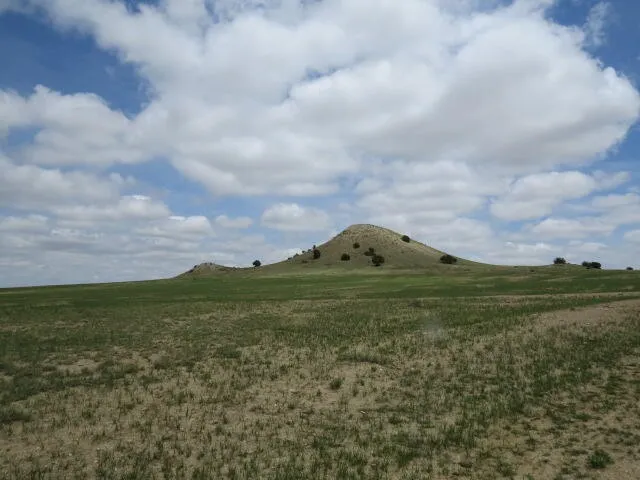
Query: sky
pixel 138 139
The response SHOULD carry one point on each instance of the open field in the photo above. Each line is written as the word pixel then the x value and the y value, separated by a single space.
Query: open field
pixel 465 373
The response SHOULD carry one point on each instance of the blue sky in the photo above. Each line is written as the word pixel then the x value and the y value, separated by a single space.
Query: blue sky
pixel 136 141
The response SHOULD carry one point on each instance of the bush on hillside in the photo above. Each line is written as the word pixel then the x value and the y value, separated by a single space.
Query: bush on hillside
pixel 377 260
pixel 559 261
pixel 448 259
pixel 629 269
pixel 371 252
pixel 596 265
pixel 345 257
pixel 356 245
pixel 316 253
pixel 257 263
pixel 406 238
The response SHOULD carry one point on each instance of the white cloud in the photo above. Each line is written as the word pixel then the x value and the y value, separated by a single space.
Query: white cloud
pixel 535 196
pixel 76 129
pixel 596 23
pixel 129 207
pixel 179 227
pixel 224 221
pixel 619 209
pixel 31 187
pixel 233 106
pixel 295 218
pixel 616 200
pixel 572 228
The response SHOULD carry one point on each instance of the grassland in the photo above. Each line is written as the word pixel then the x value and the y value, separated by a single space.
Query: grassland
pixel 486 373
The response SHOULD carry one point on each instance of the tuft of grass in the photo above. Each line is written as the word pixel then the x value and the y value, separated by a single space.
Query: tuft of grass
pixel 599 459
pixel 336 383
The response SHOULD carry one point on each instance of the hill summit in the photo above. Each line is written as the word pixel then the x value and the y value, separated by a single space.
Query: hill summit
pixel 358 246
pixel 361 244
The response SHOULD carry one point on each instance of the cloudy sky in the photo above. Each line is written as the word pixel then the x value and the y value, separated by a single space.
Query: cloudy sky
pixel 138 138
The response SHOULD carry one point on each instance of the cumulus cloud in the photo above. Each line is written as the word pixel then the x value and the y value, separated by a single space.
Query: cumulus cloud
pixel 535 196
pixel 32 187
pixel 295 218
pixel 179 227
pixel 572 228
pixel 618 209
pixel 296 97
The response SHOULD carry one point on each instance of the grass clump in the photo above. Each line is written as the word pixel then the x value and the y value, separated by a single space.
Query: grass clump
pixel 599 459
pixel 336 383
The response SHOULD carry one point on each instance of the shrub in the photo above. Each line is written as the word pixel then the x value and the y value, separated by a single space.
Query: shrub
pixel 448 259
pixel 316 253
pixel 377 260
pixel 345 257
pixel 356 245
pixel 336 383
pixel 599 459
pixel 257 263
pixel 596 265
pixel 629 269
pixel 405 238
pixel 371 252
pixel 559 261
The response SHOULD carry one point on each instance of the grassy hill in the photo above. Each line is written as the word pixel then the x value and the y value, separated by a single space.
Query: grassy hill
pixel 356 242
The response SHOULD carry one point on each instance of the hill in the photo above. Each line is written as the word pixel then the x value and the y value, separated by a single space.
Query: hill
pixel 355 242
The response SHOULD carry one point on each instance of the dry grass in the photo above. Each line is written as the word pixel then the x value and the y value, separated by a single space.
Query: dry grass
pixel 514 387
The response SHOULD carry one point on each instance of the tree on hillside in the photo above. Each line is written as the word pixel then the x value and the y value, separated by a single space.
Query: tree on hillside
pixel 630 269
pixel 596 265
pixel 345 257
pixel 559 261
pixel 406 238
pixel 377 260
pixel 316 253
pixel 448 259
pixel 257 263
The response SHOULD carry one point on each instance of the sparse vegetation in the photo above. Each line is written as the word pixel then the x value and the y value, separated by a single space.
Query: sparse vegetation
pixel 406 238
pixel 345 257
pixel 462 373
pixel 448 259
pixel 257 263
pixel 559 261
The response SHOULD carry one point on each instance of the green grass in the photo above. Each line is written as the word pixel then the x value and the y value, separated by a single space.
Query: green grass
pixel 384 375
